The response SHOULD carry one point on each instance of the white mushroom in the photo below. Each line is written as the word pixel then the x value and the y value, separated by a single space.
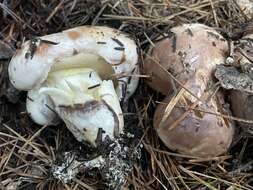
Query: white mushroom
pixel 85 103
pixel 82 74
pixel 81 46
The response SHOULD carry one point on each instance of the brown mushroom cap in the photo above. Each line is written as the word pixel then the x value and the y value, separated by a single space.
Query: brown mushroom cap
pixel 188 48
pixel 198 134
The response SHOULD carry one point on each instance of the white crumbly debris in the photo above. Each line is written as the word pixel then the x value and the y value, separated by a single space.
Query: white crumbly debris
pixel 114 168
pixel 69 169
pixel 97 162
pixel 120 164
pixel 119 168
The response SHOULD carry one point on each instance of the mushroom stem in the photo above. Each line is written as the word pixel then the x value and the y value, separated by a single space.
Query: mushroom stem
pixel 89 106
pixel 41 108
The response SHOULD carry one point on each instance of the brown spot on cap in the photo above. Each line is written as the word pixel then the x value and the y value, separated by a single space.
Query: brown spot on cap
pixel 74 35
pixel 42 49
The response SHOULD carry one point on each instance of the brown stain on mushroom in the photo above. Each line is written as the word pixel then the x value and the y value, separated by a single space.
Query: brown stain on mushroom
pixel 86 107
pixel 42 48
pixel 73 35
pixel 123 58
pixel 88 29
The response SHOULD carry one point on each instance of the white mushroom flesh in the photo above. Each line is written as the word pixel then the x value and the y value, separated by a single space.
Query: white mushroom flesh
pixel 41 108
pixel 85 103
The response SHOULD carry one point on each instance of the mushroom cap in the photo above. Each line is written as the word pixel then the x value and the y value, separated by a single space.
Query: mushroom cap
pixel 188 48
pixel 37 57
pixel 198 134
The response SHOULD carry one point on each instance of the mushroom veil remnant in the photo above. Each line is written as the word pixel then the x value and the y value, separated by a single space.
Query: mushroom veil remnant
pixel 190 53
pixel 79 75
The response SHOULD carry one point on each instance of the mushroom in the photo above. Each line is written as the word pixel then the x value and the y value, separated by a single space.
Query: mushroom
pixel 242 105
pixel 198 134
pixel 242 98
pixel 81 74
pixel 85 103
pixel 186 48
pixel 190 53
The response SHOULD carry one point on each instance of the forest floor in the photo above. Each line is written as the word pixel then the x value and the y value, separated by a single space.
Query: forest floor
pixel 28 151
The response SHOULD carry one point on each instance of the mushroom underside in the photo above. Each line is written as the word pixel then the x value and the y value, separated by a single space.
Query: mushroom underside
pixel 71 85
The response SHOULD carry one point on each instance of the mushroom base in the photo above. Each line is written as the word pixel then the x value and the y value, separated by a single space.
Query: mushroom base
pixel 88 105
